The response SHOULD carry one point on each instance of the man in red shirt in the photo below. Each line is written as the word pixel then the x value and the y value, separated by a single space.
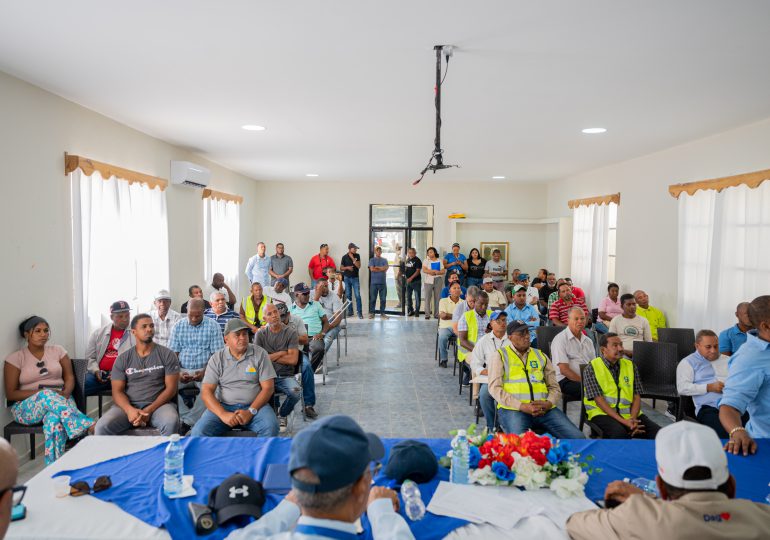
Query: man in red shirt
pixel 559 313
pixel 104 346
pixel 319 263
pixel 577 292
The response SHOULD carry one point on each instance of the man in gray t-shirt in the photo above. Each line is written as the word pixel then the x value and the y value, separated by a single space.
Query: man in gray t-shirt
pixel 144 383
pixel 280 343
pixel 237 387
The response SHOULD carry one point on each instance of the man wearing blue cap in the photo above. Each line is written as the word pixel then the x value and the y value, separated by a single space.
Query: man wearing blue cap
pixel 331 477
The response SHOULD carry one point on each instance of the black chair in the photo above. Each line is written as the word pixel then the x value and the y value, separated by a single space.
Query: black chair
pixel 687 408
pixel 101 395
pixel 545 335
pixel 79 368
pixel 594 315
pixel 596 431
pixel 683 337
pixel 656 364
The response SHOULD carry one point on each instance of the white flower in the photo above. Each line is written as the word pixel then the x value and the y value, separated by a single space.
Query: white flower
pixel 567 487
pixel 529 474
pixel 483 477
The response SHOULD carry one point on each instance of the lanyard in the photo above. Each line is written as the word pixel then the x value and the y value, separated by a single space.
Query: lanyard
pixel 314 530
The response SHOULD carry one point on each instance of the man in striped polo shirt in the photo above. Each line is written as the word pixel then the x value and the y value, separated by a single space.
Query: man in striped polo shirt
pixel 559 312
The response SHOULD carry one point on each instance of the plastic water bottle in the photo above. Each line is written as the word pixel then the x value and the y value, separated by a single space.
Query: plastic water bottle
pixel 460 455
pixel 646 485
pixel 173 468
pixel 414 508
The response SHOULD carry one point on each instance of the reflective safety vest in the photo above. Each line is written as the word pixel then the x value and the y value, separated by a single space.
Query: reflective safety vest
pixel 619 395
pixel 473 332
pixel 523 380
pixel 247 304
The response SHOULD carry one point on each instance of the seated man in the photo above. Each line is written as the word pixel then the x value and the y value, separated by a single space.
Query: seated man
pixel 554 296
pixel 195 292
pixel 9 470
pixel 523 383
pixel 104 346
pixel 630 326
pixel 252 308
pixel 520 310
pixel 453 277
pixel 577 292
pixel 486 350
pixel 332 306
pixel 218 285
pixel 330 463
pixel 314 316
pixel 559 310
pixel 702 376
pixel 446 309
pixel 144 383
pixel 697 496
pixel 237 387
pixel 194 339
pixel 533 293
pixel 163 317
pixel 281 345
pixel 731 339
pixel 334 282
pixel 570 349
pixel 471 327
pixel 220 311
pixel 653 315
pixel 308 376
pixel 496 298
pixel 465 305
pixel 278 292
pixel 612 393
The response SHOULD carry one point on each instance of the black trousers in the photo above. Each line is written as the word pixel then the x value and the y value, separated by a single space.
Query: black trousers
pixel 612 429
pixel 709 416
pixel 569 388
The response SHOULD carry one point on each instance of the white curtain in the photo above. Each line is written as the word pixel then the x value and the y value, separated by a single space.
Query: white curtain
pixel 120 248
pixel 723 253
pixel 221 240
pixel 590 233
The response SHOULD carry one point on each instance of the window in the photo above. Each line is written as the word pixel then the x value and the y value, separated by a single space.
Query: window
pixel 612 231
pixel 221 240
pixel 594 233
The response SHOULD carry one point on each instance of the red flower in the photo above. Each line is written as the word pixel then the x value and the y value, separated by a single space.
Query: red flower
pixel 483 463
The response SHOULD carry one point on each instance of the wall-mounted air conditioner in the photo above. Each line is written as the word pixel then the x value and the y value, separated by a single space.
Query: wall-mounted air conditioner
pixel 189 174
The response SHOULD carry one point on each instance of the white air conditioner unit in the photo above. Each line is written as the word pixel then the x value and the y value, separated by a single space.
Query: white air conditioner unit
pixel 189 174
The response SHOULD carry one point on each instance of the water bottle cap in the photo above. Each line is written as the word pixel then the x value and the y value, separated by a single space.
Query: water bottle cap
pixel 461 433
pixel 174 437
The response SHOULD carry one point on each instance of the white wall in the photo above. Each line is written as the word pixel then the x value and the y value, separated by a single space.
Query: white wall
pixel 528 243
pixel 647 215
pixel 36 129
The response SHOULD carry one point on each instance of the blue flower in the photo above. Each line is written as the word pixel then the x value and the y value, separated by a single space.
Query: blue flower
pixel 502 471
pixel 559 453
pixel 474 457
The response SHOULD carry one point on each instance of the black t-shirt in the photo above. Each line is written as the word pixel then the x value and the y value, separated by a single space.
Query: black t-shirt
pixel 348 261
pixel 537 281
pixel 545 291
pixel 476 270
pixel 411 266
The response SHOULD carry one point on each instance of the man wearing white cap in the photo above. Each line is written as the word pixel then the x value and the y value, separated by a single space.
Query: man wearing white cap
pixel 697 496
pixel 164 317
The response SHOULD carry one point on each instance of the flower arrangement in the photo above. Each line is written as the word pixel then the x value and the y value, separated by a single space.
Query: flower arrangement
pixel 528 461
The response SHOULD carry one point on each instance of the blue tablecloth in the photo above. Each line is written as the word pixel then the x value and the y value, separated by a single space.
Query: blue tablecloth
pixel 138 478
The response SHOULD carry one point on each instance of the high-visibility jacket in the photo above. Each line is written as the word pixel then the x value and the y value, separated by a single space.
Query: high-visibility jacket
pixel 523 380
pixel 619 395
pixel 247 303
pixel 473 332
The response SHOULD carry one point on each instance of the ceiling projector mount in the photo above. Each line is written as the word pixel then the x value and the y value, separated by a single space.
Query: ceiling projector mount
pixel 436 161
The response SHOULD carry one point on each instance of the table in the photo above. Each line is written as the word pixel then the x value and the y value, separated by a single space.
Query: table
pixel 88 517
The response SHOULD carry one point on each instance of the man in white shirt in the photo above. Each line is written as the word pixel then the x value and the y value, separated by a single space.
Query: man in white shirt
pixel 163 317
pixel 329 464
pixel 496 298
pixel 497 270
pixel 533 295
pixel 570 349
pixel 702 376
pixel 486 348
pixel 258 267
pixel 277 293
pixel 629 326
pixel 332 305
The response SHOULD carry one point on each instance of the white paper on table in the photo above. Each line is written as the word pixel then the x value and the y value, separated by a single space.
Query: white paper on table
pixel 558 509
pixel 187 487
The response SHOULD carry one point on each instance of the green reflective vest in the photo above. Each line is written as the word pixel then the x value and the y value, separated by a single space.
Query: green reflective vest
pixel 247 303
pixel 619 395
pixel 473 332
pixel 523 380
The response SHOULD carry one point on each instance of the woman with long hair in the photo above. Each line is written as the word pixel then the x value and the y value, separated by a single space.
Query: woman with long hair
pixel 432 282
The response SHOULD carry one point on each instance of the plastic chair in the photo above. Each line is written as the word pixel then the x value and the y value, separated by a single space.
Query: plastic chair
pixel 656 364
pixel 545 335
pixel 79 368
pixel 683 337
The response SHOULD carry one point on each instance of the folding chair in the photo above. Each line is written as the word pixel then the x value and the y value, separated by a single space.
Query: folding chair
pixel 683 337
pixel 656 363
pixel 343 326
pixel 545 335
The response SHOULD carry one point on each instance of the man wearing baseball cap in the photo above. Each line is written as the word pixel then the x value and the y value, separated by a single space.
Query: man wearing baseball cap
pixel 104 346
pixel 330 467
pixel 350 264
pixel 485 352
pixel 697 496
pixel 164 317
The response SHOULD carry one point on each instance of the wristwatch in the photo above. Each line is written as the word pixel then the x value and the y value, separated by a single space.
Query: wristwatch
pixel 253 411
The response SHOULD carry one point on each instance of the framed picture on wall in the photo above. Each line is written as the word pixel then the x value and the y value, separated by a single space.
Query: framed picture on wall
pixel 488 247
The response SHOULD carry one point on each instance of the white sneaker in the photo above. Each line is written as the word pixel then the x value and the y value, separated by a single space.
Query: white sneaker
pixel 283 423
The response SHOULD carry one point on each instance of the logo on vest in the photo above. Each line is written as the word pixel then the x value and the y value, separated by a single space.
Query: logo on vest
pixel 719 518
pixel 533 364
pixel 243 490
pixel 625 380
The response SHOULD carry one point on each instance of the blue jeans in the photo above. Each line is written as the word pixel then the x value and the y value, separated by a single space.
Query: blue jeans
pixel 413 289
pixel 308 382
pixel 93 386
pixel 375 289
pixel 264 423
pixel 443 343
pixel 353 288
pixel 554 421
pixel 290 388
pixel 329 337
pixel 473 281
pixel 488 405
pixel 601 327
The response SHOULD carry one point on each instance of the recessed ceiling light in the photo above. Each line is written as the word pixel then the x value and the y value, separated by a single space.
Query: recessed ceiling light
pixel 253 127
pixel 312 174
pixel 593 131
pixel 498 178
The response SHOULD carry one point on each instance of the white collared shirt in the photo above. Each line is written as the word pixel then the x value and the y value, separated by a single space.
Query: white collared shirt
pixel 568 349
pixel 485 349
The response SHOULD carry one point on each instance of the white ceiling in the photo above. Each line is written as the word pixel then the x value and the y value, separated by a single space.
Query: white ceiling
pixel 345 88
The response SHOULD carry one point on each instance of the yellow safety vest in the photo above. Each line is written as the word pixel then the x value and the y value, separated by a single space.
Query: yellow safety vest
pixel 248 309
pixel 473 332
pixel 619 395
pixel 523 380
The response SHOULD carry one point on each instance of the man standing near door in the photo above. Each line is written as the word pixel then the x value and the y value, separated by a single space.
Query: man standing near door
pixel 350 265
pixel 319 263
pixel 412 268
pixel 378 268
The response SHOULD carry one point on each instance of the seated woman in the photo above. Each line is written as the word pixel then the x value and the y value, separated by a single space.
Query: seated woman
pixel 609 308
pixel 40 380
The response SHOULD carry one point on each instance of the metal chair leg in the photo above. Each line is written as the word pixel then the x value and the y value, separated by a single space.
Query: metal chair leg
pixel 32 446
pixel 337 339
